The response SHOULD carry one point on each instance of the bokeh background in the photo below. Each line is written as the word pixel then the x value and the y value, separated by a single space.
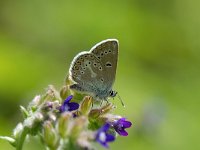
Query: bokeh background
pixel 158 74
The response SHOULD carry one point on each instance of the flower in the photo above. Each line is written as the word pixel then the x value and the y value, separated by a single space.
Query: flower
pixel 120 126
pixel 68 106
pixel 103 137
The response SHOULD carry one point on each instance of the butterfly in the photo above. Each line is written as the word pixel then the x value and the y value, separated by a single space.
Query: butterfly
pixel 93 72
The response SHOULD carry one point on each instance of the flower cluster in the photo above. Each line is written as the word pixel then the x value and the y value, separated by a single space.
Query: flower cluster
pixel 66 121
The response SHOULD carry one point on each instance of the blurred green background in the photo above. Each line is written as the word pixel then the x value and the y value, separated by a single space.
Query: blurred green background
pixel 158 74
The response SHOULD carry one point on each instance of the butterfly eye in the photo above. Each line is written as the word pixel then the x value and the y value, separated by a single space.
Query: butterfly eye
pixel 84 68
pixel 99 57
pixel 82 72
pixel 100 68
pixel 101 54
pixel 102 79
pixel 105 52
pixel 113 93
pixel 89 62
pixel 109 51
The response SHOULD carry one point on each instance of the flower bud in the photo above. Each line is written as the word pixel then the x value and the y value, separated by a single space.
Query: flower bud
pixel 49 105
pixel 35 102
pixel 77 126
pixel 86 105
pixel 32 121
pixel 24 112
pixel 18 130
pixel 94 114
pixel 65 92
pixel 85 140
pixel 38 117
pixel 51 94
pixel 67 80
pixel 62 124
pixel 107 108
pixel 49 135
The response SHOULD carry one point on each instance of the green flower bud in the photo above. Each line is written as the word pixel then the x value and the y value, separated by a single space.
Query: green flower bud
pixel 93 118
pixel 50 136
pixel 97 116
pixel 86 105
pixel 24 112
pixel 107 108
pixel 18 130
pixel 77 126
pixel 64 92
pixel 94 114
pixel 67 80
pixel 62 124
pixel 51 94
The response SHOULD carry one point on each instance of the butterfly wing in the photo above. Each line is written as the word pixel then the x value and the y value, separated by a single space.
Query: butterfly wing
pixel 84 71
pixel 107 53
pixel 94 71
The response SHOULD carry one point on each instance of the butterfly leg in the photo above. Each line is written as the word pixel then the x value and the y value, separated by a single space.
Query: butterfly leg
pixel 106 101
pixel 101 102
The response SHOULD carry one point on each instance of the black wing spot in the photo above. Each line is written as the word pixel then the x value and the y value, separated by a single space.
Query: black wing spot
pixel 108 64
pixel 78 62
pixel 76 67
pixel 75 73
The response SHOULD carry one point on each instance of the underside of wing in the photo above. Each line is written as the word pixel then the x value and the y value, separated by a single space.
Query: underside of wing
pixel 107 53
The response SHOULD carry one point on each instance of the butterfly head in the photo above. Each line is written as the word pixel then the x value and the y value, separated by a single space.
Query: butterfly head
pixel 112 93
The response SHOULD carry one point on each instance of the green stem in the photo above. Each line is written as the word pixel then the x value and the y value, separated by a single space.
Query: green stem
pixel 20 140
pixel 72 145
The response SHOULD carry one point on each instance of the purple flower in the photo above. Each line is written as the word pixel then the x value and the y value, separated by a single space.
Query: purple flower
pixel 103 137
pixel 120 126
pixel 68 106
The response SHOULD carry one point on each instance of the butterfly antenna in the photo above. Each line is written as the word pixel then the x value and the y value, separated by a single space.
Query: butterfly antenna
pixel 121 100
